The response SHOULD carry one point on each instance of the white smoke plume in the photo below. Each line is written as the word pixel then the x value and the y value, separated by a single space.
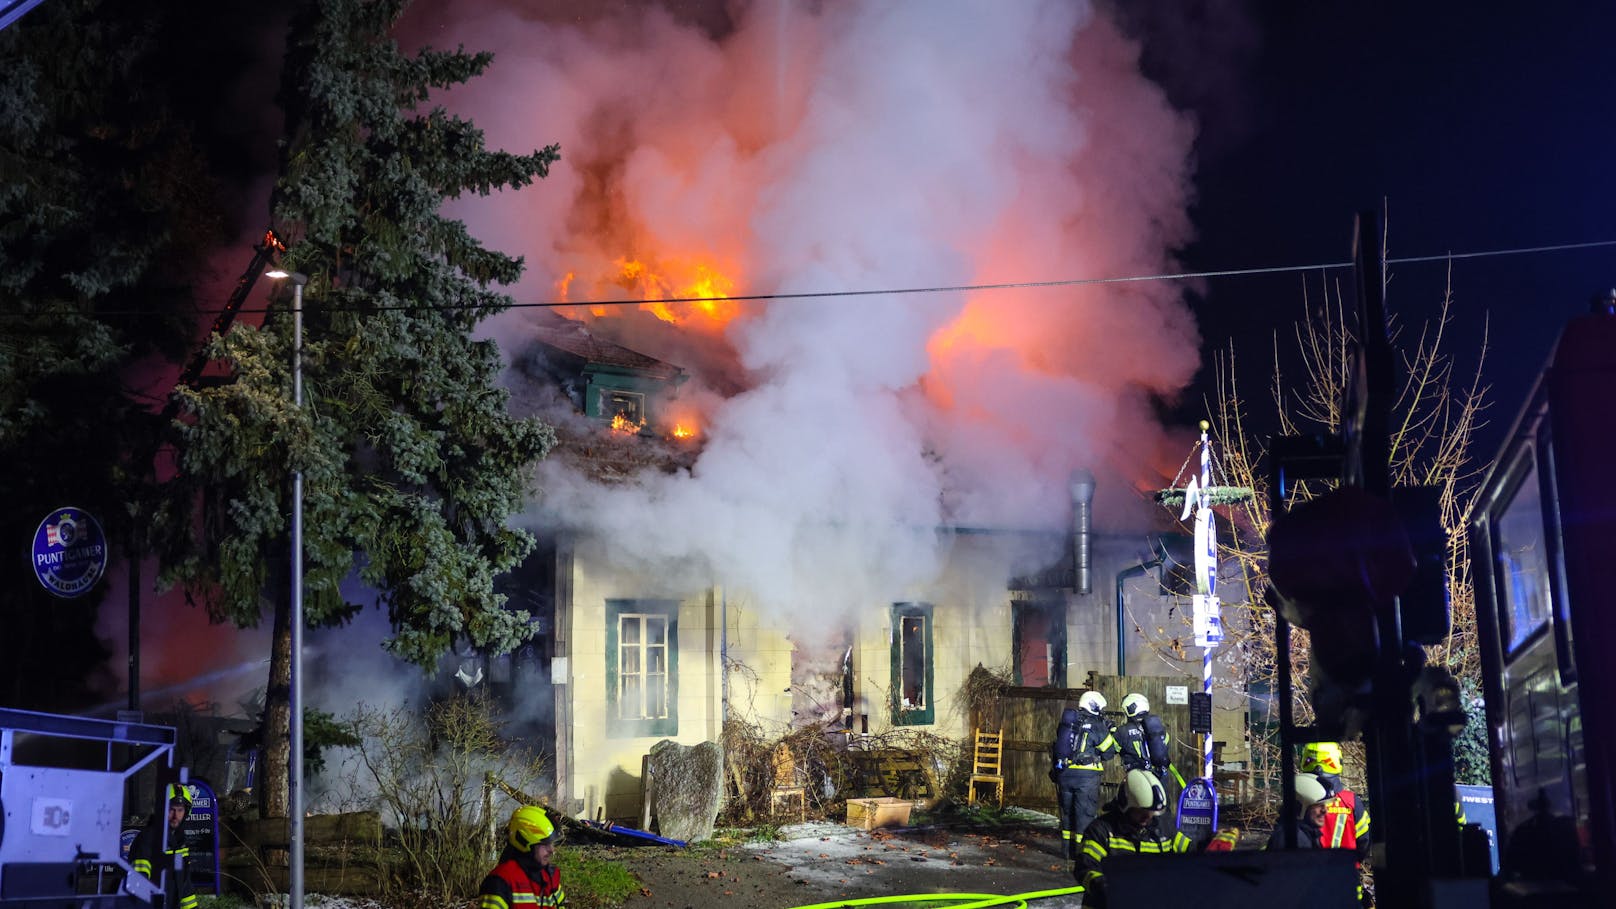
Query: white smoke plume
pixel 796 147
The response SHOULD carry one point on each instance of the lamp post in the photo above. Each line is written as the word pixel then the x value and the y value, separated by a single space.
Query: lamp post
pixel 294 784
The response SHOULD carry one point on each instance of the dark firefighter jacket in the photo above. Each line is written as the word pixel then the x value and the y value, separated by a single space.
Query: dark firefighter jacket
pixel 148 857
pixel 1082 743
pixel 1111 833
pixel 1144 740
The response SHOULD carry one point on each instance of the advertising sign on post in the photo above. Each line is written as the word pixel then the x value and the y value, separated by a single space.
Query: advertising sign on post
pixel 1207 621
pixel 1198 810
pixel 70 552
pixel 201 833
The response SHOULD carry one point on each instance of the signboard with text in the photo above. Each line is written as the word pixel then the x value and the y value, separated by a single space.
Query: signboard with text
pixel 1207 621
pixel 1201 712
pixel 69 553
pixel 201 833
pixel 1198 810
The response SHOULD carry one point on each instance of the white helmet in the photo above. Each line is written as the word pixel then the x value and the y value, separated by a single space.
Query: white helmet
pixel 1145 791
pixel 1135 704
pixel 1092 701
pixel 1309 791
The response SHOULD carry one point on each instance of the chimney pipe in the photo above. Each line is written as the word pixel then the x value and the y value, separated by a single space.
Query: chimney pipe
pixel 1082 504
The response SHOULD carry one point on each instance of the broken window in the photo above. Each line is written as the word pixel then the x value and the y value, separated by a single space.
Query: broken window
pixel 822 679
pixel 912 664
pixel 642 661
pixel 630 405
pixel 1038 637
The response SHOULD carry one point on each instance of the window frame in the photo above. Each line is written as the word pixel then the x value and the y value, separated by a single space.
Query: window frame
pixel 926 714
pixel 1020 619
pixel 1525 486
pixel 617 610
pixel 611 397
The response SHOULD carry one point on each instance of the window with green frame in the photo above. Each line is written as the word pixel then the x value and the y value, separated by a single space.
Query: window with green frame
pixel 912 665
pixel 642 668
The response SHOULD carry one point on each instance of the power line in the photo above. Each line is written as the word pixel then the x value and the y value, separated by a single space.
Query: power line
pixel 936 289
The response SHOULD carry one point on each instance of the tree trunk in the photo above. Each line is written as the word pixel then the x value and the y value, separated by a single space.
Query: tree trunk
pixel 278 715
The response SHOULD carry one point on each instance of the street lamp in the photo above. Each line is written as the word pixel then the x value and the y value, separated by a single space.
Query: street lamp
pixel 294 783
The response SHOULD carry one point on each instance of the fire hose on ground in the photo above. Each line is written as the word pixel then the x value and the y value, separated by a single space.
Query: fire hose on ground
pixel 964 900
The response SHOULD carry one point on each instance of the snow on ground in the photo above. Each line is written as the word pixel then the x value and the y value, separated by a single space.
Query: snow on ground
pixel 821 851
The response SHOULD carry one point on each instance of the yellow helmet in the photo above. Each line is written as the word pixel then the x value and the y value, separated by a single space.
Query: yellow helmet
pixel 1321 757
pixel 529 826
pixel 177 793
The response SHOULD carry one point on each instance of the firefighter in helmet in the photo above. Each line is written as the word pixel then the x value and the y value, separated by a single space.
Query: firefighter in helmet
pixel 1128 826
pixel 526 876
pixel 159 851
pixel 1082 741
pixel 1346 824
pixel 1312 803
pixel 1144 740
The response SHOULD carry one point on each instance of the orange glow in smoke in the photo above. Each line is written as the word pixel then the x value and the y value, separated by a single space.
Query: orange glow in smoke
pixel 680 279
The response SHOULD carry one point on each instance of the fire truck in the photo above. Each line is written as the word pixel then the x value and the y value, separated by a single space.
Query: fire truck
pixel 1542 541
pixel 63 781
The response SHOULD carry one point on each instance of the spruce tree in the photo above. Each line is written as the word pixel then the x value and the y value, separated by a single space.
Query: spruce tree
pixel 412 462
pixel 104 205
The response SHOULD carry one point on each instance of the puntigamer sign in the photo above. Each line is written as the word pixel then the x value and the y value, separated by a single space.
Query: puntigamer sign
pixel 70 552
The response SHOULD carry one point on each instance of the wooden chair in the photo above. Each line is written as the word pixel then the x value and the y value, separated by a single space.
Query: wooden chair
pixel 987 766
pixel 785 787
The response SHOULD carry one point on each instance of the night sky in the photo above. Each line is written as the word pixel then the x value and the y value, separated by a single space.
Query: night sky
pixel 1481 126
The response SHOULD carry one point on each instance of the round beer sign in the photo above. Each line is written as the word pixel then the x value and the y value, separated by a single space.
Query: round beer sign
pixel 70 552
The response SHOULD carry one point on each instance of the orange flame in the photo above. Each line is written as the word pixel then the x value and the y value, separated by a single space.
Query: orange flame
pixel 621 423
pixel 706 289
pixel 681 431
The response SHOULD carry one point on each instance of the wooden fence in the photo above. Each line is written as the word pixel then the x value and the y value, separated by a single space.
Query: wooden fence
pixel 1029 717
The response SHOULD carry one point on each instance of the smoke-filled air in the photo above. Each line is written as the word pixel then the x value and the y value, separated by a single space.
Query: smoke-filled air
pixel 833 147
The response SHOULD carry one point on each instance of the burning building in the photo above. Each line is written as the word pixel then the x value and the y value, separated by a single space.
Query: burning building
pixel 865 234
pixel 629 651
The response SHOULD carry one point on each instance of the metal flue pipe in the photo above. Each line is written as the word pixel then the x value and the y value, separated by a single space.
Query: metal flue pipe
pixel 1082 506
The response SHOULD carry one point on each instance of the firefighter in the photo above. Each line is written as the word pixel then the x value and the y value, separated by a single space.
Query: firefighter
pixel 1346 825
pixel 1129 826
pixel 160 847
pixel 1144 740
pixel 1312 801
pixel 1082 741
pixel 526 877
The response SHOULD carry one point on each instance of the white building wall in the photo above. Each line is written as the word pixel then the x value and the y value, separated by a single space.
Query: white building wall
pixel 971 616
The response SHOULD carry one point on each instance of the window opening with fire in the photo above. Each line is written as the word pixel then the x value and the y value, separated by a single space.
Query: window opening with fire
pixel 622 408
pixel 912 664
pixel 642 663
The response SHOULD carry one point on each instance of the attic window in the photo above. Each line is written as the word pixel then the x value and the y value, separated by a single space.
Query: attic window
pixel 630 405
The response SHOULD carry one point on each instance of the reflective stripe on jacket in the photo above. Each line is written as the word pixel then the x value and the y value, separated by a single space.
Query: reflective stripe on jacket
pixel 1110 833
pixel 148 858
pixel 1090 743
pixel 509 886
